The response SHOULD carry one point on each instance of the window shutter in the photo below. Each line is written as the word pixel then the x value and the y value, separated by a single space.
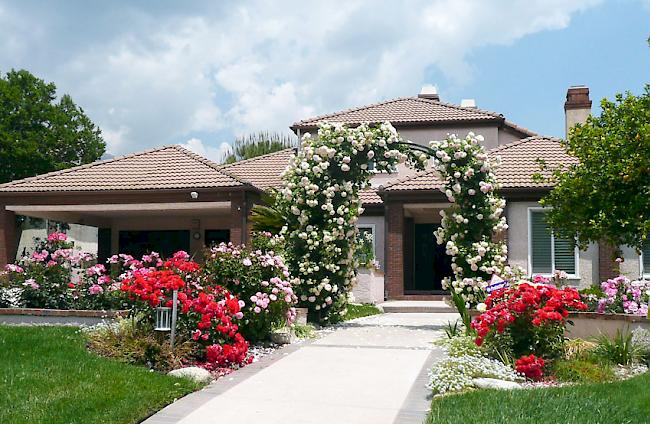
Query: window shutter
pixel 646 257
pixel 565 256
pixel 541 254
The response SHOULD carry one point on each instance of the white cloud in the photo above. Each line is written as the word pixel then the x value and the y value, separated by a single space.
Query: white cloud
pixel 215 154
pixel 259 65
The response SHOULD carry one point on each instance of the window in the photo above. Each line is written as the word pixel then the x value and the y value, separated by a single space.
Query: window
pixel 547 253
pixel 645 259
pixel 366 238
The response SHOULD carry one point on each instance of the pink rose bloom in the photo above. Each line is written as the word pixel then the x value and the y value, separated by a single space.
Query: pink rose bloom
pixel 50 264
pixel 239 315
pixel 247 262
pixel 14 268
pixel 95 289
pixel 31 283
pixel 257 310
pixel 40 256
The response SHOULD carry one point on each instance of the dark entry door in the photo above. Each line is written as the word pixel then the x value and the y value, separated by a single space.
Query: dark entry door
pixel 165 242
pixel 430 262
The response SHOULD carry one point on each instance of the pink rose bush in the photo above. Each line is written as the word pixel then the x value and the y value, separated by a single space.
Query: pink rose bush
pixel 261 279
pixel 619 295
pixel 57 276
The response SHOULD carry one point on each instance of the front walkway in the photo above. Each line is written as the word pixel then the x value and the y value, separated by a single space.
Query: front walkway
pixel 370 370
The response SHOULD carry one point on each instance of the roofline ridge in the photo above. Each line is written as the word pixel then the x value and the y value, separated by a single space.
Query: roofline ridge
pixel 521 141
pixel 519 128
pixel 207 162
pixel 348 110
pixel 83 166
pixel 405 179
pixel 458 107
pixel 253 159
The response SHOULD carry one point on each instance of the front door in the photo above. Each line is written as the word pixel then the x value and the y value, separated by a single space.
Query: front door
pixel 430 262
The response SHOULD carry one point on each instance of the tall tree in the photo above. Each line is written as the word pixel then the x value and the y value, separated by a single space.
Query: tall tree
pixel 40 134
pixel 606 196
pixel 259 144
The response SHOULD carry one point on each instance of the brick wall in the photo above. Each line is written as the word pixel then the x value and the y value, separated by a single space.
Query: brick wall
pixel 394 255
pixel 607 267
pixel 8 242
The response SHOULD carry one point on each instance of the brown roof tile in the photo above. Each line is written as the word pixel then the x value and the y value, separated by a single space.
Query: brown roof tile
pixel 519 162
pixel 408 110
pixel 263 171
pixel 168 167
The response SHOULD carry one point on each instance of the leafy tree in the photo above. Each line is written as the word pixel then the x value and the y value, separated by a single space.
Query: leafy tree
pixel 39 134
pixel 259 144
pixel 606 196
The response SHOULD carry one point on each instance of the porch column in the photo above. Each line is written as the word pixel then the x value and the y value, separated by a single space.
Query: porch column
pixel 8 242
pixel 394 254
pixel 238 218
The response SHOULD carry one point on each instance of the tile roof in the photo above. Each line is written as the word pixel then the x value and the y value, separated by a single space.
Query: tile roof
pixel 168 167
pixel 263 171
pixel 519 162
pixel 409 110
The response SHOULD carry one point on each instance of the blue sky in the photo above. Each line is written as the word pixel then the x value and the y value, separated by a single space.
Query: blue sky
pixel 200 73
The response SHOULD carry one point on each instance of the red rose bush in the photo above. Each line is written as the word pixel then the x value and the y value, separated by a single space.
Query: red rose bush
pixel 526 319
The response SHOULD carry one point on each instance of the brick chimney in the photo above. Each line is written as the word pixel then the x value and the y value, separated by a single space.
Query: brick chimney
pixel 577 107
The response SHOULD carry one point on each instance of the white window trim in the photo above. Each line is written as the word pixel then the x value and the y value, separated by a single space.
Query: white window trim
pixel 575 276
pixel 643 273
pixel 374 236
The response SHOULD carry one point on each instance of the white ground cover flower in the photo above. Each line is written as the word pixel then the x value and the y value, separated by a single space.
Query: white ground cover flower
pixel 455 374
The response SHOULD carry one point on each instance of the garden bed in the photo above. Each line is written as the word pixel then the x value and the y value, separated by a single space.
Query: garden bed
pixel 56 316
pixel 592 324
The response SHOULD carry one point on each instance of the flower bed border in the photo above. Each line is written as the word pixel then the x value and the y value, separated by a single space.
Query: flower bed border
pixel 610 316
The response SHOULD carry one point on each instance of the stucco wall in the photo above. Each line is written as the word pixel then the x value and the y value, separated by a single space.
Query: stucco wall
pixel 631 265
pixel 378 222
pixel 517 216
pixel 84 237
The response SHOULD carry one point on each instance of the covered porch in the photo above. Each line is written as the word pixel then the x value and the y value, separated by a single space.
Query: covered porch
pixel 165 200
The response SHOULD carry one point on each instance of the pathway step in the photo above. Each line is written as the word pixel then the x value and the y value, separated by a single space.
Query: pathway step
pixel 416 306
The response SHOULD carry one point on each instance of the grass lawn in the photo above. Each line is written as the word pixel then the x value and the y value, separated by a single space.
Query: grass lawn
pixel 358 311
pixel 621 402
pixel 47 376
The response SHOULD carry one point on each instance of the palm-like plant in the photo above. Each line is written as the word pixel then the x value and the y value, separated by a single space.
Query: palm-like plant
pixel 268 216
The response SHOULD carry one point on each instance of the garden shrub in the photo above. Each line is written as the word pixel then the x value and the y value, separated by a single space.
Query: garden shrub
pixel 127 341
pixel 320 200
pixel 578 349
pixel 582 371
pixel 620 349
pixel 57 276
pixel 208 314
pixel 461 346
pixel 527 319
pixel 619 295
pixel 641 338
pixel 261 280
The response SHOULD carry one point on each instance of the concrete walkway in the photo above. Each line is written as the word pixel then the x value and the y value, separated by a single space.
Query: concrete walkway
pixel 370 370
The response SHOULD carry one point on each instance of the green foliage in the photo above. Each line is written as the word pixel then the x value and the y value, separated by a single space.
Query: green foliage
pixel 578 349
pixel 268 217
pixel 39 134
pixel 48 376
pixel 307 331
pixel 583 371
pixel 365 252
pixel 259 144
pixel 134 342
pixel 452 329
pixel 621 349
pixel 606 196
pixel 359 311
pixel 461 346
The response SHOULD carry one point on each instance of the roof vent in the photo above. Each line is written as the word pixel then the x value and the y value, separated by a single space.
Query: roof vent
pixel 429 92
pixel 468 103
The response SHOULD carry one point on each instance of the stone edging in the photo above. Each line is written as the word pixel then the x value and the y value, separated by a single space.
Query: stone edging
pixel 85 313
pixel 609 317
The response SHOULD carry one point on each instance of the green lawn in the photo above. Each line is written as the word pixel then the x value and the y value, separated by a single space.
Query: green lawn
pixel 358 311
pixel 621 402
pixel 47 376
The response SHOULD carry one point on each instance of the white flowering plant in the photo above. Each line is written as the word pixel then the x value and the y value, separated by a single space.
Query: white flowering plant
pixel 455 374
pixel 320 199
pixel 469 227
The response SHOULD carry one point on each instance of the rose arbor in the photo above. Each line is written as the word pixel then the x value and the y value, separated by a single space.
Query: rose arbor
pixel 320 199
pixel 468 227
